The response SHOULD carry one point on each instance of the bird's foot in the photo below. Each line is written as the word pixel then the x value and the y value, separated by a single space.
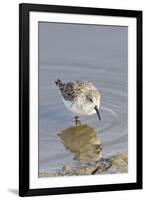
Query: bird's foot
pixel 77 121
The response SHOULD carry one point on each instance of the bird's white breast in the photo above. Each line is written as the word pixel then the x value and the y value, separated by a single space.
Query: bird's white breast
pixel 78 109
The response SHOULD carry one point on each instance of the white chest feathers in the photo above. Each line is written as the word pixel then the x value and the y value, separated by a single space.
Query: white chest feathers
pixel 79 109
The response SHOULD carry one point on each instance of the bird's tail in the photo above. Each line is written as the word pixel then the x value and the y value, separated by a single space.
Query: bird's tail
pixel 58 82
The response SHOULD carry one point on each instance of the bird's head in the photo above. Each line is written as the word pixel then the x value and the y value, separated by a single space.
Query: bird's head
pixel 93 100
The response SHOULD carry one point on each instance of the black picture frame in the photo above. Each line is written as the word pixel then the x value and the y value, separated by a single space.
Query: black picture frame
pixel 24 56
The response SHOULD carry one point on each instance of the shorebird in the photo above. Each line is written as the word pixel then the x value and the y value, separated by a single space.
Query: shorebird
pixel 80 97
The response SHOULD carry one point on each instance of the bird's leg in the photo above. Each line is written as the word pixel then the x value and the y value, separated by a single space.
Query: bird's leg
pixel 77 120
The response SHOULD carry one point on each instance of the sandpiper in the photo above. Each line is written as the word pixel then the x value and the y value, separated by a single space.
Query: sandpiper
pixel 80 97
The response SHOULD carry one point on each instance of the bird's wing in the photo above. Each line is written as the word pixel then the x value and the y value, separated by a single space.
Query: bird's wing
pixel 70 91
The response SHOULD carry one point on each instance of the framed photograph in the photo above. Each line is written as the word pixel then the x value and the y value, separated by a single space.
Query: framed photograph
pixel 80 99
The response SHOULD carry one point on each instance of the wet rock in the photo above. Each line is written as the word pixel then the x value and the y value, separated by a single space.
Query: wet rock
pixel 115 164
pixel 120 163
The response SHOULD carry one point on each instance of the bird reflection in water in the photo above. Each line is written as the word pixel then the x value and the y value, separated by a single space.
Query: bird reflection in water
pixel 83 142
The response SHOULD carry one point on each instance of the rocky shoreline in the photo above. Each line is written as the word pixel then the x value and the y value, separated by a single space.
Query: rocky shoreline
pixel 112 165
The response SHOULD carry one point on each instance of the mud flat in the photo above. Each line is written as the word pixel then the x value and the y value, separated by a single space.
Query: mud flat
pixel 112 165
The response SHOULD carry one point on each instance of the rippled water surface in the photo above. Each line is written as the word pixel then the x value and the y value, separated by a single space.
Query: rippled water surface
pixel 81 52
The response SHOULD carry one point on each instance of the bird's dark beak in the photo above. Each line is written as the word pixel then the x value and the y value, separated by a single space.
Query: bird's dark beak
pixel 97 111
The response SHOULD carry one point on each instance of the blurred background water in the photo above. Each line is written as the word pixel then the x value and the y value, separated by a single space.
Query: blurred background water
pixel 82 52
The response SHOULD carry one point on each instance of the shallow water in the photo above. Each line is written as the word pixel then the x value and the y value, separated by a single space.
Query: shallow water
pixel 98 54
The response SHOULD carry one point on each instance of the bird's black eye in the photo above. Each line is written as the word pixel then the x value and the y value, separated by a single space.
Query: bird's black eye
pixel 90 100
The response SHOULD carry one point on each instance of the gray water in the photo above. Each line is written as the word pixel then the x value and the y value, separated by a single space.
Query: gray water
pixel 82 52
